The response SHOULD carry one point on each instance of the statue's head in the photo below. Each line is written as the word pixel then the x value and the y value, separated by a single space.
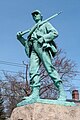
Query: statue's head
pixel 38 14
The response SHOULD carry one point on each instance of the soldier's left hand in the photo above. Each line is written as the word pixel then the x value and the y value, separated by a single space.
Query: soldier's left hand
pixel 19 35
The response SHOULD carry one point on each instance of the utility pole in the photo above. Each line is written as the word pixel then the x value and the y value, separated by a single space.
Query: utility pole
pixel 27 86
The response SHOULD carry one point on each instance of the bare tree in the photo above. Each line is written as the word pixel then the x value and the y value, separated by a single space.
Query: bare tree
pixel 13 91
pixel 2 113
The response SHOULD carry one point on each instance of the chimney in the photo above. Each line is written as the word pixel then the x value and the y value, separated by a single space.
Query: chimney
pixel 75 95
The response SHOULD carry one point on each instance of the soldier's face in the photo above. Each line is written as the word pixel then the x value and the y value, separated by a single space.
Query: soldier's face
pixel 36 17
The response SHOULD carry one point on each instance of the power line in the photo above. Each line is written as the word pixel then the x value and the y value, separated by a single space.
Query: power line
pixel 12 64
pixel 11 71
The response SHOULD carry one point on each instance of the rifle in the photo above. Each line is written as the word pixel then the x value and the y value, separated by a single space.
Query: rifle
pixel 30 31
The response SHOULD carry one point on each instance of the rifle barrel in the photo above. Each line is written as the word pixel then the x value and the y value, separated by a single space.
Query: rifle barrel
pixel 53 16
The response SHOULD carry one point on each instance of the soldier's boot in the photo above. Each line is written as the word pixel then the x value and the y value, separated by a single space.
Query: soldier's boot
pixel 34 95
pixel 62 95
pixel 31 99
pixel 35 85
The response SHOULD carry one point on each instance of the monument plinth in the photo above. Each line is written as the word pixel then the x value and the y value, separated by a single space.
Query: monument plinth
pixel 39 111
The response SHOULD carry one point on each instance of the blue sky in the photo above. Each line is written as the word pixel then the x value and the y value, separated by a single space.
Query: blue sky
pixel 15 15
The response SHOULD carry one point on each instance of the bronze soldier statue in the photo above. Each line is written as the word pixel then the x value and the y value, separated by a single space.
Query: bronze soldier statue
pixel 40 47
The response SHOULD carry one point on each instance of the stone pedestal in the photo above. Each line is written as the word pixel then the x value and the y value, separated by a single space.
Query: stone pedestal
pixel 39 111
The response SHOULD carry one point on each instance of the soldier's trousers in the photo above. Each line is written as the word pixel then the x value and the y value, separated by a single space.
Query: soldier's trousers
pixel 39 55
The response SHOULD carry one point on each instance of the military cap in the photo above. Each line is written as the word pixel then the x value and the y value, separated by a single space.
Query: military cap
pixel 36 11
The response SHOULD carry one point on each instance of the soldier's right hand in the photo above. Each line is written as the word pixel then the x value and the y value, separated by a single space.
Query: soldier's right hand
pixel 19 35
